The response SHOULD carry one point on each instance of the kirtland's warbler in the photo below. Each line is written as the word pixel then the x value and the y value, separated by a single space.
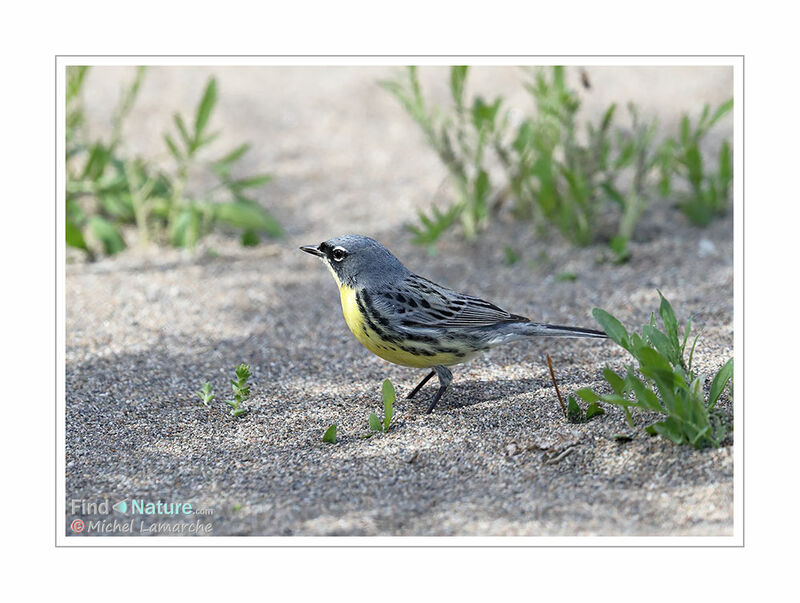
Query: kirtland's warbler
pixel 409 320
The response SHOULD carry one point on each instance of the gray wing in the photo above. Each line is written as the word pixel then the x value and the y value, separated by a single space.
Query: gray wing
pixel 420 303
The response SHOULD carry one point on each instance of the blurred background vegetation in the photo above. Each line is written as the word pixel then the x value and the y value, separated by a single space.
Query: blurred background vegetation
pixel 591 182
pixel 555 172
pixel 168 199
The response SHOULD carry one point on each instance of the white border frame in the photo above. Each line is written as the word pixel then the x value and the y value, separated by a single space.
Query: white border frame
pixel 736 540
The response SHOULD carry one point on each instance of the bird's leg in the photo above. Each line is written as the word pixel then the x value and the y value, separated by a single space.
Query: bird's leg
pixel 445 377
pixel 420 384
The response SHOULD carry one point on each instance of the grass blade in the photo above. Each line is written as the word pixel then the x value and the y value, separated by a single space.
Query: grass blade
pixel 388 395
pixel 204 109
pixel 721 379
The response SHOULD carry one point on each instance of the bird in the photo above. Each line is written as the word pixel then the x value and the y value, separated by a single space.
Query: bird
pixel 409 320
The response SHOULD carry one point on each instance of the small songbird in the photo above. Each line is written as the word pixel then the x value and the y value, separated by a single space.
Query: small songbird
pixel 409 320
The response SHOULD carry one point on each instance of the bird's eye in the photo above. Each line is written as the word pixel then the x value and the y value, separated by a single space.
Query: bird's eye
pixel 338 254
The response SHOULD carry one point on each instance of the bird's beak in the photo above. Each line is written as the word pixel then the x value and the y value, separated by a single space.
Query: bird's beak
pixel 312 250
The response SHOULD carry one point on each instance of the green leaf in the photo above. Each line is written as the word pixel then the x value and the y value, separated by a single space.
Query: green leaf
pixel 644 395
pixel 594 410
pixel 651 360
pixel 668 428
pixel 619 245
pixel 626 154
pixel 188 142
pixel 75 78
pixel 587 394
pixel 330 434
pixel 99 156
pixel 248 215
pixel 613 194
pixel 685 130
pixel 374 422
pixel 243 372
pixel 173 148
pixel 458 75
pixel 607 117
pixel 251 182
pixel 662 343
pixel 721 379
pixel 694 163
pixel 74 236
pixel 204 108
pixel 482 187
pixel 612 327
pixel 388 401
pixel 238 411
pixel 222 165
pixel 616 382
pixel 725 169
pixel 670 322
pixel 107 234
pixel 186 228
pixel 483 114
pixel 574 412
pixel 249 238
pixel 721 111
pixel 566 277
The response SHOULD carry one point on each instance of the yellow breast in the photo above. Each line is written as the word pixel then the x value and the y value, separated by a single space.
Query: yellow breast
pixel 391 351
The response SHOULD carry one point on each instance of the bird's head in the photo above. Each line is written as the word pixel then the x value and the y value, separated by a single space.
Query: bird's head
pixel 356 260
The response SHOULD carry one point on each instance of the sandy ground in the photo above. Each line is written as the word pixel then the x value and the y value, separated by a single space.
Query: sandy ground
pixel 145 329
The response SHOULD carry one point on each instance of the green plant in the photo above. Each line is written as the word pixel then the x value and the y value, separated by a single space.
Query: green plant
pixel 108 189
pixel 376 424
pixel 709 192
pixel 205 394
pixel 668 385
pixel 635 150
pixel 241 391
pixel 552 173
pixel 330 434
pixel 461 139
pixel 555 171
pixel 575 414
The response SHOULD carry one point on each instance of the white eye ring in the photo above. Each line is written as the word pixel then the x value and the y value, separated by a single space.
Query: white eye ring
pixel 338 254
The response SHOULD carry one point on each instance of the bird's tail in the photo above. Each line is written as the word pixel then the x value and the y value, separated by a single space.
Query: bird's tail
pixel 537 329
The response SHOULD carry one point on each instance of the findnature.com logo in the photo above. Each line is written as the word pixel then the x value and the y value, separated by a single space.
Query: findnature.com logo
pixel 146 517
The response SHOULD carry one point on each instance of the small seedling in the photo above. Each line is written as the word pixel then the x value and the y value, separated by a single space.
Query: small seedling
pixel 668 385
pixel 330 434
pixel 375 423
pixel 566 277
pixel 575 413
pixel 241 391
pixel 205 394
pixel 572 411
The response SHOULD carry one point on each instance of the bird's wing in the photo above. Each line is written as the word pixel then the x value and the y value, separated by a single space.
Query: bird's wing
pixel 419 303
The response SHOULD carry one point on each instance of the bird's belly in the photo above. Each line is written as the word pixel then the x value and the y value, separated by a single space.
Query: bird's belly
pixel 405 353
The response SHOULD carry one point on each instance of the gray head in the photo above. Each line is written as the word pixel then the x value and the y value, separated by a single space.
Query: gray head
pixel 356 260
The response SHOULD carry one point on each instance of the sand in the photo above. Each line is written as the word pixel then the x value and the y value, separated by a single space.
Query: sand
pixel 145 329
